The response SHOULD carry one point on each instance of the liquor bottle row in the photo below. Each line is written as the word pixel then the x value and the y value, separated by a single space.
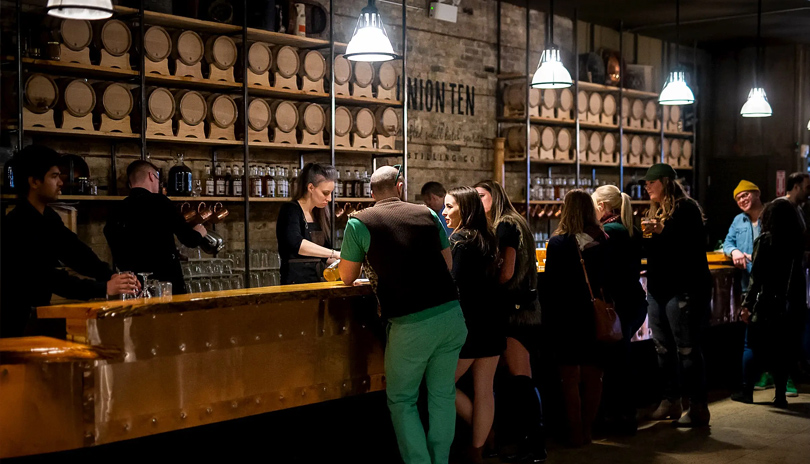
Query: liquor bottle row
pixel 353 185
pixel 554 188
pixel 262 181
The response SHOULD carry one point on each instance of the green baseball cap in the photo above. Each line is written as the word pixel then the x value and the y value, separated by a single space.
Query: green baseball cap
pixel 659 171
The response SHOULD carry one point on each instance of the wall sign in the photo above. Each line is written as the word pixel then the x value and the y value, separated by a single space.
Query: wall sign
pixel 439 96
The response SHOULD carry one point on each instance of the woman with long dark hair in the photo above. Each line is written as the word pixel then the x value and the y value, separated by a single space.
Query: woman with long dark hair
pixel 775 304
pixel 678 294
pixel 475 271
pixel 578 245
pixel 303 227
pixel 523 425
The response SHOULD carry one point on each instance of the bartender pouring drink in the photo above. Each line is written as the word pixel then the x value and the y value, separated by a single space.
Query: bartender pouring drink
pixel 141 230
pixel 36 246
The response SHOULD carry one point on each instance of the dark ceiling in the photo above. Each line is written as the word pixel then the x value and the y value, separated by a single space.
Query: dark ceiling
pixel 782 21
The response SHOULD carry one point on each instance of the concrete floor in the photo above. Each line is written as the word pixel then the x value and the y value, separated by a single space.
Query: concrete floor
pixel 739 434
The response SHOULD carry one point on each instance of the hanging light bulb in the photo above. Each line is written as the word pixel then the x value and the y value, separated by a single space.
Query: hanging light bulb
pixel 757 105
pixel 370 41
pixel 551 73
pixel 676 91
pixel 80 9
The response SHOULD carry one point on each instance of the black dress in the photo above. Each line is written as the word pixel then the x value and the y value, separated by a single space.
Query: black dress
pixel 519 295
pixel 291 229
pixel 478 292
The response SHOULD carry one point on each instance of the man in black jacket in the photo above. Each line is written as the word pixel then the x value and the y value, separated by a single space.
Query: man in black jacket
pixel 36 246
pixel 141 230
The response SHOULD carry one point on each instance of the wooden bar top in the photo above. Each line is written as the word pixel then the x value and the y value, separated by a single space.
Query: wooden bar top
pixel 201 301
pixel 46 349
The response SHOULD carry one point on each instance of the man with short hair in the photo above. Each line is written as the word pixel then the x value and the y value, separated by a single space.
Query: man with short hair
pixel 36 246
pixel 399 241
pixel 739 243
pixel 798 190
pixel 141 230
pixel 433 194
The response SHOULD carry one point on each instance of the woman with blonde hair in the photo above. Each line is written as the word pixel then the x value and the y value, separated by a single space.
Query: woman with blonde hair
pixel 579 245
pixel 679 289
pixel 518 277
pixel 615 212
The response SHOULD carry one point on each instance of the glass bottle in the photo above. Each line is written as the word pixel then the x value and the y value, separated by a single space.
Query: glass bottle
pixel 255 182
pixel 348 186
pixel 282 184
pixel 180 179
pixel 268 174
pixel 339 185
pixel 238 181
pixel 366 185
pixel 209 182
pixel 219 182
pixel 294 181
pixel 228 181
pixel 358 185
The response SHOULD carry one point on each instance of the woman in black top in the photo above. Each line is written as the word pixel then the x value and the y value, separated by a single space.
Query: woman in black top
pixel 775 305
pixel 475 270
pixel 518 278
pixel 303 227
pixel 678 294
pixel 569 314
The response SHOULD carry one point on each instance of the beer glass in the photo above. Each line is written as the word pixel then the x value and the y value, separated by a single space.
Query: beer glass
pixel 647 226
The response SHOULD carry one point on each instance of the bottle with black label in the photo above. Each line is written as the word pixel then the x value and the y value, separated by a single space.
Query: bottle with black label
pixel 180 183
pixel 348 185
pixel 228 181
pixel 358 184
pixel 255 182
pixel 269 177
pixel 219 182
pixel 366 185
pixel 294 181
pixel 237 181
pixel 208 189
pixel 338 185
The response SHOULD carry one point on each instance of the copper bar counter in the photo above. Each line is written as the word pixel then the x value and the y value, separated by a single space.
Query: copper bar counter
pixel 141 367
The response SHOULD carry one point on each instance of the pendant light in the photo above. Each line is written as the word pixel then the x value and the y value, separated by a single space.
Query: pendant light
pixel 80 9
pixel 551 73
pixel 676 91
pixel 757 105
pixel 370 41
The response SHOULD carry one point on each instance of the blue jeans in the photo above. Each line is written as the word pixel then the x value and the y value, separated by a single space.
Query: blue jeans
pixel 677 326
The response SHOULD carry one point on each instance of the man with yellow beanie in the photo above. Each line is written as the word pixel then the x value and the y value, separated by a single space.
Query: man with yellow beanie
pixel 739 243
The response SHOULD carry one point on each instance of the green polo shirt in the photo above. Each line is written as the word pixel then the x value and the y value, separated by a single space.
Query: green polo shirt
pixel 357 239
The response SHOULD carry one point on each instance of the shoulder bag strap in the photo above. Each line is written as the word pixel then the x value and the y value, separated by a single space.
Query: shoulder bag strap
pixel 584 271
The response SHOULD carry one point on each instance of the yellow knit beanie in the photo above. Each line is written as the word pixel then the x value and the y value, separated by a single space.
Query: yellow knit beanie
pixel 745 186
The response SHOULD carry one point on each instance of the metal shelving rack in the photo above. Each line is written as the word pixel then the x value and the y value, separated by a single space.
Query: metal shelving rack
pixel 143 17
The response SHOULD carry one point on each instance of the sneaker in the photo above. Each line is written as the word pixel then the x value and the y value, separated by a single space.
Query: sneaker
pixel 791 390
pixel 696 416
pixel 765 382
pixel 743 397
pixel 667 410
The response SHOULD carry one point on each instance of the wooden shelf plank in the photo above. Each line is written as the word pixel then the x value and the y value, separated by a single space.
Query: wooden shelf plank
pixel 583 85
pixel 286 93
pixel 288 146
pixel 638 166
pixel 79 133
pixel 370 151
pixel 551 162
pixel 538 120
pixel 640 130
pixel 599 127
pixel 678 134
pixel 193 141
pixel 599 165
pixel 289 39
pixel 190 82
pixel 344 100
pixel 181 22
pixel 87 71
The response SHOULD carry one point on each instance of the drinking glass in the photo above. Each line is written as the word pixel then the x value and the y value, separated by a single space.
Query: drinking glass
pixel 186 269
pixel 275 260
pixel 275 278
pixel 206 286
pixel 236 281
pixel 227 266
pixel 238 259
pixel 216 284
pixel 165 289
pixel 225 283
pixel 216 267
pixel 196 286
pixel 255 280
pixel 265 257
pixel 195 268
pixel 206 267
pixel 647 226
pixel 125 296
pixel 154 288
pixel 144 284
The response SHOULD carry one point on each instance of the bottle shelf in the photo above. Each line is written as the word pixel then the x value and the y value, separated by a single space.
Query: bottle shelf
pixel 181 22
pixel 193 141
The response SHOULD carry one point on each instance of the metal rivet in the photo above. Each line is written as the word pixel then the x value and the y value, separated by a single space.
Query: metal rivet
pixel 302 332
pixel 281 397
pixel 323 331
pixel 154 351
pixel 88 435
pixel 344 328
pixel 279 335
pixel 86 374
pixel 233 340
pixel 258 400
pixel 209 410
pixel 182 415
pixel 234 404
pixel 126 427
pixel 182 347
pixel 181 314
pixel 208 344
pixel 154 420
pixel 324 388
pixel 303 392
pixel 344 384
pixel 362 326
pixel 257 338
pixel 154 316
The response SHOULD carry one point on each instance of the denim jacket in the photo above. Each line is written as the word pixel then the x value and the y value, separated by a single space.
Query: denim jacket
pixel 741 236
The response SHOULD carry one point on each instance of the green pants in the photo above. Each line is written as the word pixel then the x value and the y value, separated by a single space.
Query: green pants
pixel 425 344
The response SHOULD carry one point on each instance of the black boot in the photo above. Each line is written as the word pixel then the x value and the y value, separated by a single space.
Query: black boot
pixel 531 445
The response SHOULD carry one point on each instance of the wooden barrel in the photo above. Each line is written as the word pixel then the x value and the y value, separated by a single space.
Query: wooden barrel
pixel 548 138
pixel 584 138
pixel 41 93
pixel 259 114
pixel 286 61
pixel 674 113
pixel 222 110
pixel 364 121
pixel 260 57
pixel 189 47
pixel 191 107
pixel 650 110
pixel 77 34
pixel 386 75
pixel 564 139
pixel 78 97
pixel 609 105
pixel 625 107
pixel 311 117
pixel 516 138
pixel 343 70
pixel 114 99
pixel 666 147
pixel 514 97
pixel 157 43
pixel 637 110
pixel 160 104
pixel 686 150
pixel 566 100
pixel 363 73
pixel 549 98
pixel 343 121
pixel 582 101
pixel 636 145
pixel 387 121
pixel 313 65
pixel 651 147
pixel 595 142
pixel 676 148
pixel 115 37
pixel 665 112
pixel 625 148
pixel 220 51
pixel 595 103
pixel 285 115
pixel 609 143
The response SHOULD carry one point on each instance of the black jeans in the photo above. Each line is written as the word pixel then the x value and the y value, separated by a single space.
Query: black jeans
pixel 677 326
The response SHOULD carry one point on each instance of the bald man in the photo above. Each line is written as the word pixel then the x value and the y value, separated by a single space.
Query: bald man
pixel 407 257
pixel 141 230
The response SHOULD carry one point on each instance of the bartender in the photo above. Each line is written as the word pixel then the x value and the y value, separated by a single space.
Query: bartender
pixel 36 246
pixel 303 227
pixel 141 230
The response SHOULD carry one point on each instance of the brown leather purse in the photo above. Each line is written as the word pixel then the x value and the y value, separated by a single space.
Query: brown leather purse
pixel 608 325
